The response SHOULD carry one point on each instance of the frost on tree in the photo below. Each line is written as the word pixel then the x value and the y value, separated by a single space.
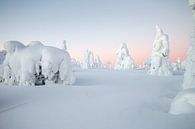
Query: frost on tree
pixel 64 45
pixel 75 63
pixel 160 54
pixel 88 62
pixel 147 63
pixel 91 61
pixel 97 62
pixel 2 58
pixel 124 60
pixel 184 102
pixel 27 65
pixel 189 74
pixel 177 66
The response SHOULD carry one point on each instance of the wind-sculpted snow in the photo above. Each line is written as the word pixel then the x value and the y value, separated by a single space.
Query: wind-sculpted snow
pixel 184 102
pixel 24 64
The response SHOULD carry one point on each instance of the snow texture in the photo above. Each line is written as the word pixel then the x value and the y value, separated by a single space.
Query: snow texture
pixel 100 99
pixel 159 58
pixel 190 61
pixel 184 102
pixel 2 56
pixel 23 64
pixel 124 60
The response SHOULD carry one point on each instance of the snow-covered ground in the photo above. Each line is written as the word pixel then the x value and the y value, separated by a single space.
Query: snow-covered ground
pixel 100 99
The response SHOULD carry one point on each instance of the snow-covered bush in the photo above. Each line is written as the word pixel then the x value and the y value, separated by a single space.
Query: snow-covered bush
pixel 23 65
pixel 124 60
pixel 160 53
pixel 184 102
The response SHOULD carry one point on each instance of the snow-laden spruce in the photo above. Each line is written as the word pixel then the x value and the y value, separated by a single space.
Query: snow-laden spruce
pixel 91 62
pixel 24 65
pixel 184 102
pixel 124 60
pixel 160 54
pixel 189 77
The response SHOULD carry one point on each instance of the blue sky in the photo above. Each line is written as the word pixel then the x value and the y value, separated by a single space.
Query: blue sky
pixel 99 25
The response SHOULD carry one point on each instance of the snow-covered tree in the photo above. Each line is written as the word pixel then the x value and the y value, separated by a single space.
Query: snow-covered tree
pixel 160 54
pixel 23 65
pixel 2 56
pixel 184 102
pixel 75 63
pixel 64 45
pixel 124 60
pixel 91 61
pixel 88 62
pixel 147 63
pixel 97 62
pixel 177 66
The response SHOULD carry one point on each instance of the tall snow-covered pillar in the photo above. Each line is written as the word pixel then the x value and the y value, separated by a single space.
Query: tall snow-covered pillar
pixel 184 102
pixel 189 75
pixel 160 54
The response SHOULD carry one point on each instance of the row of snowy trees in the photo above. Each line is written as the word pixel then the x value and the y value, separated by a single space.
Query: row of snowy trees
pixel 91 61
pixel 157 64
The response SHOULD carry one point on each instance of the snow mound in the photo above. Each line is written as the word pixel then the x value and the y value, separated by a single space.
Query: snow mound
pixel 184 102
pixel 124 60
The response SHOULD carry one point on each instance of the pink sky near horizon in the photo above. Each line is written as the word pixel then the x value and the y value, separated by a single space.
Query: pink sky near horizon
pixel 138 54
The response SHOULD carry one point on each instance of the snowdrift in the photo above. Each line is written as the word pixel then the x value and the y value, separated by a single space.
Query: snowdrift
pixel 184 102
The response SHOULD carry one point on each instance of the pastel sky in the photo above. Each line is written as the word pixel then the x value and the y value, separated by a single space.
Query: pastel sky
pixel 99 25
